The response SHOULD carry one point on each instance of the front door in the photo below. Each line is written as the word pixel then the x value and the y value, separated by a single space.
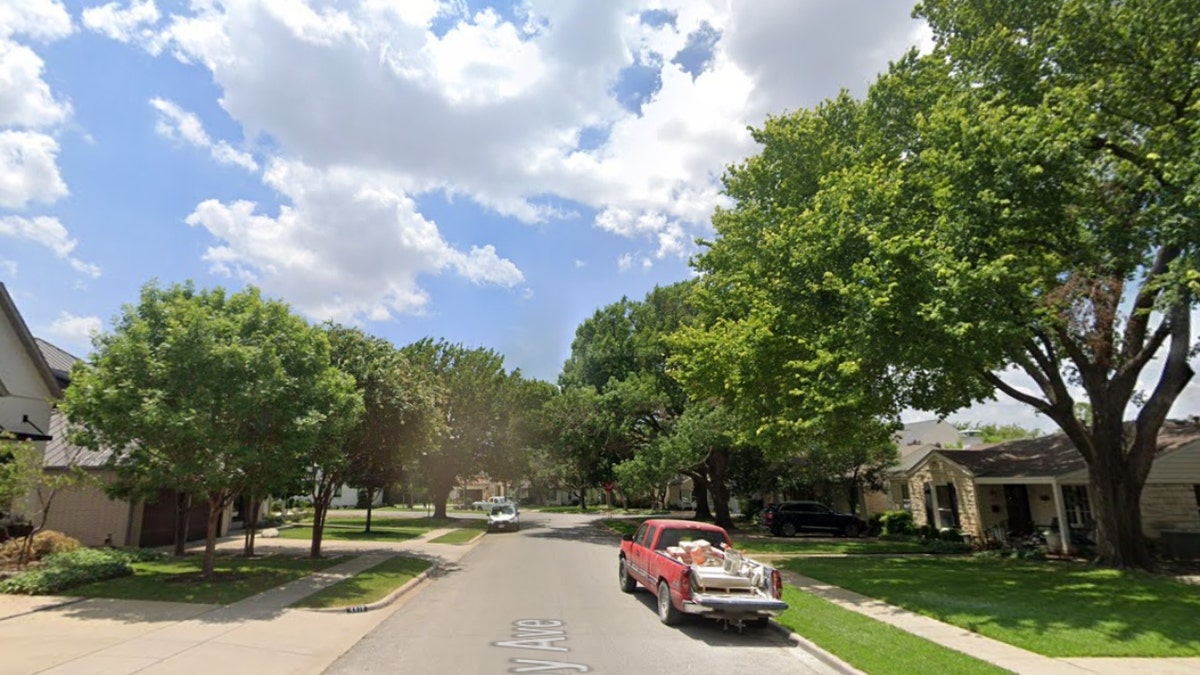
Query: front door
pixel 1016 499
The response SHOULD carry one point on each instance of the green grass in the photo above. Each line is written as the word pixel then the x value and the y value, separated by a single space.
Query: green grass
pixel 382 529
pixel 459 536
pixel 1054 609
pixel 801 546
pixel 177 579
pixel 872 646
pixel 369 585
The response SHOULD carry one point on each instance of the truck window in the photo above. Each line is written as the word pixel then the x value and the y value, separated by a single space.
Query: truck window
pixel 642 535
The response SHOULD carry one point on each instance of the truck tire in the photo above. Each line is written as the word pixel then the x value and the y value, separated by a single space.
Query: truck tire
pixel 666 610
pixel 788 530
pixel 628 583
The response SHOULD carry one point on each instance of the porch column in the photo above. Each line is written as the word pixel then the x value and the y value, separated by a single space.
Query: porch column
pixel 1064 529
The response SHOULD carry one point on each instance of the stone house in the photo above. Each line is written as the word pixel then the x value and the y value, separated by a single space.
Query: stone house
pixel 1041 484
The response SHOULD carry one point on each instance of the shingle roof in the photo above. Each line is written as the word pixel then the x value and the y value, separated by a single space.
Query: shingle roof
pixel 9 309
pixel 1053 455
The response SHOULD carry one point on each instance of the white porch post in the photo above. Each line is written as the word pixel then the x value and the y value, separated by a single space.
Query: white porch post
pixel 1064 529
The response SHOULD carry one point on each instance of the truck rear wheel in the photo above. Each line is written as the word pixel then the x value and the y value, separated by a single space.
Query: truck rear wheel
pixel 666 611
pixel 628 583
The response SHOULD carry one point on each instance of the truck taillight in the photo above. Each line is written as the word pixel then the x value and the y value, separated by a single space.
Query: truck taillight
pixel 776 584
pixel 685 584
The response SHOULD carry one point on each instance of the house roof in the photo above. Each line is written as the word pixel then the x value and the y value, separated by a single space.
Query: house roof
pixel 59 361
pixel 1050 456
pixel 9 309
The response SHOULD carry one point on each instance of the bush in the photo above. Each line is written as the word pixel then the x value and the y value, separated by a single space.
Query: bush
pixel 892 523
pixel 61 571
pixel 45 543
pixel 751 508
pixel 950 535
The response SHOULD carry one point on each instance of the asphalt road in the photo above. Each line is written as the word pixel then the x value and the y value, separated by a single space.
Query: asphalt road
pixel 545 600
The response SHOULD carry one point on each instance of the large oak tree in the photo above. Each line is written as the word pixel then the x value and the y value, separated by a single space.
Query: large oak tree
pixel 1021 199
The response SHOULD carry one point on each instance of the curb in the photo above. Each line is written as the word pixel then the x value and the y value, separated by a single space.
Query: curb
pixel 396 594
pixel 378 604
pixel 822 655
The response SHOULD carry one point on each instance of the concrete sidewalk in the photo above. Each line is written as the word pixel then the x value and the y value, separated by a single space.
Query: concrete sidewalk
pixel 995 652
pixel 258 634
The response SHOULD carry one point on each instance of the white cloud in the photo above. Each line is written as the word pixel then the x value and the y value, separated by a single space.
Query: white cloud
pixel 25 98
pixel 28 169
pixel 178 124
pixel 128 23
pixel 39 19
pixel 492 107
pixel 49 233
pixel 9 268
pixel 77 330
pixel 625 261
pixel 349 245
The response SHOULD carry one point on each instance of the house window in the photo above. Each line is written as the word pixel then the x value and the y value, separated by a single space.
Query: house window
pixel 947 498
pixel 1077 506
pixel 905 497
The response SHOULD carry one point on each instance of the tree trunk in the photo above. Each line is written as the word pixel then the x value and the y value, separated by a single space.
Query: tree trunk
pixel 183 511
pixel 440 494
pixel 248 527
pixel 718 470
pixel 370 501
pixel 1117 510
pixel 216 504
pixel 700 492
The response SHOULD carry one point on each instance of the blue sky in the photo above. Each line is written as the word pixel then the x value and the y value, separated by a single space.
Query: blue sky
pixel 488 173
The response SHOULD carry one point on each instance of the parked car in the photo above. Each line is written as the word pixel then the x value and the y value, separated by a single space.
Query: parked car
pixel 503 519
pixel 487 504
pixel 790 518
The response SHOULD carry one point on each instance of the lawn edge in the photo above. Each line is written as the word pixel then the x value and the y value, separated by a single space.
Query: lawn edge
pixel 382 602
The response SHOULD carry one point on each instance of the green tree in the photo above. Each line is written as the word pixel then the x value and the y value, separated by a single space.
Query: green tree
pixel 196 391
pixel 992 432
pixel 1023 196
pixel 473 385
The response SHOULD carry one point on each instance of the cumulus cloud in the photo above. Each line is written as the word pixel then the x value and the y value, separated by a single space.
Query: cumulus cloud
pixel 29 169
pixel 125 23
pixel 50 233
pixel 517 108
pixel 178 124
pixel 75 330
pixel 28 109
pixel 349 244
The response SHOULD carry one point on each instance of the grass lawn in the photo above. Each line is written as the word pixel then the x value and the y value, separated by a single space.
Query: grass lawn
pixel 369 585
pixel 459 536
pixel 801 546
pixel 1054 609
pixel 177 579
pixel 382 529
pixel 872 646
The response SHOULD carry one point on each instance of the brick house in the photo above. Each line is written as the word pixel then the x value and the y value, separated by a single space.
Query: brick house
pixel 1031 484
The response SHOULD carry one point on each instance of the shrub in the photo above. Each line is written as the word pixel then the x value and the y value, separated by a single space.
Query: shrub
pixel 874 525
pixel 61 571
pixel 751 508
pixel 951 535
pixel 893 523
pixel 46 542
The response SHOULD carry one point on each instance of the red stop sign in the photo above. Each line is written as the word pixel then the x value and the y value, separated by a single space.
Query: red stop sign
pixel 608 486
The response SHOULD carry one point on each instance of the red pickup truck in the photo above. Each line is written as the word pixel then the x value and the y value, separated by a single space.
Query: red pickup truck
pixel 692 568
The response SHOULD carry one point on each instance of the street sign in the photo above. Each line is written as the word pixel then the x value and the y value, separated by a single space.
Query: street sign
pixel 608 486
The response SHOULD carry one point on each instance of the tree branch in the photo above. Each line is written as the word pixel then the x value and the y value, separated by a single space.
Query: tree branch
pixel 1139 314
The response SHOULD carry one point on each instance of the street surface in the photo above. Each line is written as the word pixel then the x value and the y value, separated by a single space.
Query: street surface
pixel 545 600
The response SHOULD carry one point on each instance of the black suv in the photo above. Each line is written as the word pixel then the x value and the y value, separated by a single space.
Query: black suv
pixel 789 518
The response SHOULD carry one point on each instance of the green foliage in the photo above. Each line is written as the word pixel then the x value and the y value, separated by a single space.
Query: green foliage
pixel 68 569
pixel 205 393
pixel 1025 196
pixel 893 523
pixel 20 470
pixel 999 433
